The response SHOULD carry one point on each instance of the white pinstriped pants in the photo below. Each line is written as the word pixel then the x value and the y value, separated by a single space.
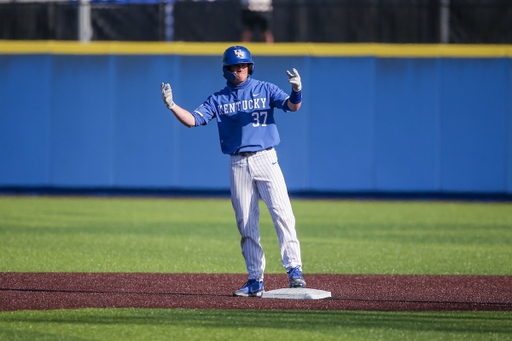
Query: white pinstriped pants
pixel 258 176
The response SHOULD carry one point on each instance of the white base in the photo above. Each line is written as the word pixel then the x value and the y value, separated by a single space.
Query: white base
pixel 297 294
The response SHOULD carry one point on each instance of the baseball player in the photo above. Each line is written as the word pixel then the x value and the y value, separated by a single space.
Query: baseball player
pixel 244 110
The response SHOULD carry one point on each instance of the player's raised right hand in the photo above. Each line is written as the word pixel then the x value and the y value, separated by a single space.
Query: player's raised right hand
pixel 166 91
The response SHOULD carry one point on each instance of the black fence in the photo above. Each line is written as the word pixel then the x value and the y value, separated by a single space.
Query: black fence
pixel 332 21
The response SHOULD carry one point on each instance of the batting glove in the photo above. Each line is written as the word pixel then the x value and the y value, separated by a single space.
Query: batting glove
pixel 294 80
pixel 167 95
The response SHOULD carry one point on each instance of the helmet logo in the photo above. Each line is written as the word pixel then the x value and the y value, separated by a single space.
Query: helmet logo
pixel 238 53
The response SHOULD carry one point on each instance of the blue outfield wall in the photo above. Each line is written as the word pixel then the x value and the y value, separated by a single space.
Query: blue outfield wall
pixel 367 124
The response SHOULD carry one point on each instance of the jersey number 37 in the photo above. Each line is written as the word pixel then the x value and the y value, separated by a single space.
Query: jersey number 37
pixel 260 118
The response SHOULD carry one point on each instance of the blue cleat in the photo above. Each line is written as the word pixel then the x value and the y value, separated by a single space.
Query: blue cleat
pixel 252 288
pixel 296 279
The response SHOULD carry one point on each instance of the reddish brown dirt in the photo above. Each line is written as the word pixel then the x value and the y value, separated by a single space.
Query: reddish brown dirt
pixel 45 291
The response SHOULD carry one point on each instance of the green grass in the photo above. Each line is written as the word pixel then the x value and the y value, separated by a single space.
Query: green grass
pixel 160 324
pixel 198 235
pixel 39 234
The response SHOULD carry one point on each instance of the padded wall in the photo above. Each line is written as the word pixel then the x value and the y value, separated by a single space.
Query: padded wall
pixel 367 123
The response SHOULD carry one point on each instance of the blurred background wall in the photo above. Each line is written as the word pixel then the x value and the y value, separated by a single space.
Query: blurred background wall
pixel 334 21
pixel 431 117
pixel 368 123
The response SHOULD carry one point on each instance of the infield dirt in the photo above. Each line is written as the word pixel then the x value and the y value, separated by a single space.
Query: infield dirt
pixel 46 291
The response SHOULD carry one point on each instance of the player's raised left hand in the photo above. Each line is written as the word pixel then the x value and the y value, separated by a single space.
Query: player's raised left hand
pixel 166 91
pixel 294 80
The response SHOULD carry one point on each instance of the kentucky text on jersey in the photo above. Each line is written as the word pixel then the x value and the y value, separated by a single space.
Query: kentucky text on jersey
pixel 231 108
pixel 245 115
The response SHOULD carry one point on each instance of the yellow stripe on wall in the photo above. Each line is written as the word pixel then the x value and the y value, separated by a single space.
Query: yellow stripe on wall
pixel 262 49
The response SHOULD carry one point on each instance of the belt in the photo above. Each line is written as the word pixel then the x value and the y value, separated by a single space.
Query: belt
pixel 247 154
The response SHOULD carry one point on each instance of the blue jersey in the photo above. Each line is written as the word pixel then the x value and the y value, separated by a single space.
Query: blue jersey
pixel 245 115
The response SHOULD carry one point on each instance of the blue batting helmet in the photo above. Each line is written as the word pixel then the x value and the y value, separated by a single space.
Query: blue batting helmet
pixel 236 55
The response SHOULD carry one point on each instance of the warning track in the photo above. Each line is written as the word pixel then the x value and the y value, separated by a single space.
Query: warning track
pixel 46 291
